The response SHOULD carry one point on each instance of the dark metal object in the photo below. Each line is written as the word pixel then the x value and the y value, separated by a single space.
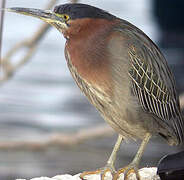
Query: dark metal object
pixel 171 167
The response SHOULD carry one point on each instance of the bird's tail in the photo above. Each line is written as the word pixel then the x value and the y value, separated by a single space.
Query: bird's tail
pixel 176 137
pixel 179 127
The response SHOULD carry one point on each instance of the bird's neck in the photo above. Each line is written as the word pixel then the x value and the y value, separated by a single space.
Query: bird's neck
pixel 88 51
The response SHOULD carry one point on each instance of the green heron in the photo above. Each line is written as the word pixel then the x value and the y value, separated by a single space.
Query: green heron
pixel 121 72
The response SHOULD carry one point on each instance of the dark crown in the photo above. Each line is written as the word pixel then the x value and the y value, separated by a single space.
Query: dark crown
pixel 78 10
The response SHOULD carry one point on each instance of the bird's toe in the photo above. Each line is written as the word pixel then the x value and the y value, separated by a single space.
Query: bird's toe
pixel 102 172
pixel 131 168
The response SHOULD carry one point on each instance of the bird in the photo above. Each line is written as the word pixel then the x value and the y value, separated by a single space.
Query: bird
pixel 122 73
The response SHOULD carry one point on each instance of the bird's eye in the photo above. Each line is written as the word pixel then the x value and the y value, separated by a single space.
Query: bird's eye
pixel 66 17
pixel 63 16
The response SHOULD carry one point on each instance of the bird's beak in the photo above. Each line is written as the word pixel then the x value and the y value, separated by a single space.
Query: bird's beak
pixel 45 15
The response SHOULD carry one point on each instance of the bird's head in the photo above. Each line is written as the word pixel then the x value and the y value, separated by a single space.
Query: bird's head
pixel 68 18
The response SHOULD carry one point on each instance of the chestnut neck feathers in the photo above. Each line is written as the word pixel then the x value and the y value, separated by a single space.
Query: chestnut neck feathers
pixel 88 49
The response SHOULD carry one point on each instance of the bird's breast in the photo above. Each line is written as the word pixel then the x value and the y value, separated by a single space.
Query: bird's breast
pixel 97 94
pixel 90 64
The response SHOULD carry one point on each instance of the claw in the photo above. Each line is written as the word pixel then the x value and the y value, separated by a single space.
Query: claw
pixel 131 168
pixel 86 173
pixel 103 173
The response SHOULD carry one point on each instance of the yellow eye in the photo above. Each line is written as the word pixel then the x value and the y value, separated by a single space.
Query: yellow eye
pixel 63 16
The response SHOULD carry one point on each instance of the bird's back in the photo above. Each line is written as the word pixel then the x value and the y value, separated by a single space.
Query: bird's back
pixel 152 82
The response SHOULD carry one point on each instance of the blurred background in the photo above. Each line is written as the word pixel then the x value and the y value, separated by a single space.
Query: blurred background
pixel 40 103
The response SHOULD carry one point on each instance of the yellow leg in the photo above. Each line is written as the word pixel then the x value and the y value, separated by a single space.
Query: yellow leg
pixel 113 155
pixel 110 163
pixel 133 166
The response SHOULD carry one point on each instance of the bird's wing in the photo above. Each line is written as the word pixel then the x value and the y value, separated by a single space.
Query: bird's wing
pixel 152 81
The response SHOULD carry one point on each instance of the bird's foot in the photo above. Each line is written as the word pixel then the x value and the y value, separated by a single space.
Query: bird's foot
pixel 102 171
pixel 131 168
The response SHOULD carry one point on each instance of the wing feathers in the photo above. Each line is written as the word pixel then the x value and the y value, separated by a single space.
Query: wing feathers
pixel 153 93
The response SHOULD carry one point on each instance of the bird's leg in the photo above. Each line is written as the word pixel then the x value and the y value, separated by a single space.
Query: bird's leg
pixel 112 158
pixel 133 166
pixel 110 163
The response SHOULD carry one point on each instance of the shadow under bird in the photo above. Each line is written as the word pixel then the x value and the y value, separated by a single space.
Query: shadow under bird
pixel 121 72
